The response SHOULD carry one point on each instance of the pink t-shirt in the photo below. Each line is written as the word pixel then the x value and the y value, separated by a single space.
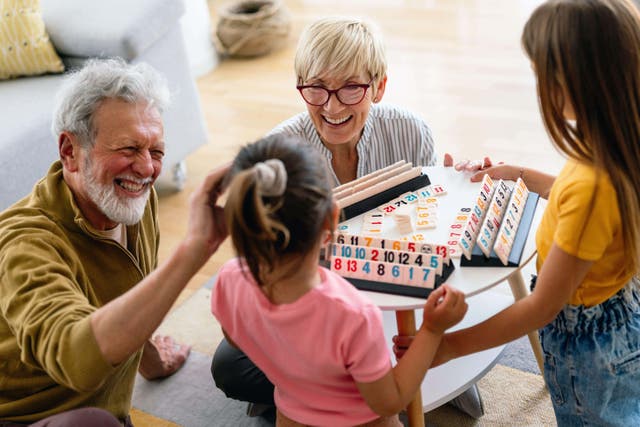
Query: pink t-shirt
pixel 313 350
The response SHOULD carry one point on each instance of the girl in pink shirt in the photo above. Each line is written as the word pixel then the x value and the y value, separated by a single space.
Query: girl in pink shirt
pixel 315 336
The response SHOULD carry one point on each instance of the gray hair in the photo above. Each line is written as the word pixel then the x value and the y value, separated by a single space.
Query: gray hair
pixel 84 90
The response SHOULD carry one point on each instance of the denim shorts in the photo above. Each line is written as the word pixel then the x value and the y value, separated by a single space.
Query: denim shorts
pixel 592 361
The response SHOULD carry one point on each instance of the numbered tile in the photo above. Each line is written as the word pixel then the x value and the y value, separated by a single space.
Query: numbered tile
pixel 410 197
pixel 455 251
pixel 426 224
pixel 387 209
pixel 424 193
pixel 373 216
pixel 437 190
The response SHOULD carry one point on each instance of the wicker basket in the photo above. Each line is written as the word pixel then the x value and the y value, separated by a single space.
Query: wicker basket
pixel 252 27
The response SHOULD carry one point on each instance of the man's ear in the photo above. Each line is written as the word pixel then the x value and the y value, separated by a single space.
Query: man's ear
pixel 69 150
pixel 380 87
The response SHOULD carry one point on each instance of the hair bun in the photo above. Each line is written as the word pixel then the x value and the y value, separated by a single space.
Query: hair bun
pixel 271 177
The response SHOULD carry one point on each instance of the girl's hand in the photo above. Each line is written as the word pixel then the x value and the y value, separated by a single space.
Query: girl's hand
pixel 401 344
pixel 500 171
pixel 444 308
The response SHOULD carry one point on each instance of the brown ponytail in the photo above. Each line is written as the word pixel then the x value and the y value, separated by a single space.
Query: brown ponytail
pixel 265 228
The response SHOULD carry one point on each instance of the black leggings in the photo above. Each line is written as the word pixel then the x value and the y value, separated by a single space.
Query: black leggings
pixel 238 377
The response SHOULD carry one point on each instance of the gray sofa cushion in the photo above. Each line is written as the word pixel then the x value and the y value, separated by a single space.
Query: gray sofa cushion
pixel 27 146
pixel 108 28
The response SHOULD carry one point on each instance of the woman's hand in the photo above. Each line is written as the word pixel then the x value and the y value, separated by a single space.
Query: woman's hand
pixel 468 165
pixel 481 167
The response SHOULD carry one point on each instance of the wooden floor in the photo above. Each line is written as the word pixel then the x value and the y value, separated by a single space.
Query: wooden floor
pixel 457 63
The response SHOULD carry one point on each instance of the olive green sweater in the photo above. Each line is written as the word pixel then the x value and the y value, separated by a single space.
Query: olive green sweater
pixel 54 272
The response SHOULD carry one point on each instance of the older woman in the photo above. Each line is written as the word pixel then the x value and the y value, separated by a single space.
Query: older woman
pixel 341 73
pixel 340 66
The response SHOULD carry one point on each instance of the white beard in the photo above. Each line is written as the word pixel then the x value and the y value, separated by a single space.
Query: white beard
pixel 124 211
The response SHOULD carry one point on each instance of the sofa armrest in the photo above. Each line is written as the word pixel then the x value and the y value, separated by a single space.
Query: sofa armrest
pixel 96 28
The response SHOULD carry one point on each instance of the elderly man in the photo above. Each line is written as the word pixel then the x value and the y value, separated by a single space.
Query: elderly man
pixel 80 289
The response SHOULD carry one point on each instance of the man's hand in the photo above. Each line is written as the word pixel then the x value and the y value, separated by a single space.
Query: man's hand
pixel 162 357
pixel 206 217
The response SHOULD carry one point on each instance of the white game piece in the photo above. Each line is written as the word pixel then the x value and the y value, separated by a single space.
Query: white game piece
pixel 437 190
pixel 417 237
pixel 424 193
pixel 396 271
pixel 502 251
pixel 373 216
pixel 432 201
pixel 426 224
pixel 428 279
pixel 388 209
pixel 371 230
pixel 403 223
pixel 410 197
pixel 455 251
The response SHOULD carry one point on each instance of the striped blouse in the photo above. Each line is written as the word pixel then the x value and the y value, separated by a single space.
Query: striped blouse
pixel 390 134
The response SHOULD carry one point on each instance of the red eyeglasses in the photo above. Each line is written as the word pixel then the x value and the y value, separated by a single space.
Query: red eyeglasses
pixel 350 94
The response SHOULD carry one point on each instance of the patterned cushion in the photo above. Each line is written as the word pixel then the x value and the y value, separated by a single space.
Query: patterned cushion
pixel 25 48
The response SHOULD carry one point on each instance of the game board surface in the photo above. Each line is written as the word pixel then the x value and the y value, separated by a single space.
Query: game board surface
pixel 406 241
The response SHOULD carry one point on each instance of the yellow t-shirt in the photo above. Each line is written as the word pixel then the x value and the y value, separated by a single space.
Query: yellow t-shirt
pixel 592 233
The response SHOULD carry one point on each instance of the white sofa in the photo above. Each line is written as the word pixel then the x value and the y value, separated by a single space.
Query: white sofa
pixel 138 31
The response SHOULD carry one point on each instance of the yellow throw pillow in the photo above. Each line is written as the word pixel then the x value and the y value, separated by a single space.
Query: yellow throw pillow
pixel 25 48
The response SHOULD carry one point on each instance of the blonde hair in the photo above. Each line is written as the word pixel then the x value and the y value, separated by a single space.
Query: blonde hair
pixel 267 226
pixel 588 51
pixel 340 47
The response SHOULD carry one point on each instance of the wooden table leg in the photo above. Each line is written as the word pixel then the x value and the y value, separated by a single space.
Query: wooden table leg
pixel 519 291
pixel 406 320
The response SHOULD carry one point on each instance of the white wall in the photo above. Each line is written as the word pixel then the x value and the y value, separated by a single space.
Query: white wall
pixel 196 26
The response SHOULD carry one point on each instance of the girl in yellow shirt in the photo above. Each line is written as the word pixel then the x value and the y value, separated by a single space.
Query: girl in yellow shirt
pixel 586 303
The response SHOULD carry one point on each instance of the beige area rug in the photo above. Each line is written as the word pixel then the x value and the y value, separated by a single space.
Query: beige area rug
pixel 193 323
pixel 511 397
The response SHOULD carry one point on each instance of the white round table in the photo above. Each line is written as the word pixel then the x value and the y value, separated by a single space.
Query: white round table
pixel 449 380
pixel 443 383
